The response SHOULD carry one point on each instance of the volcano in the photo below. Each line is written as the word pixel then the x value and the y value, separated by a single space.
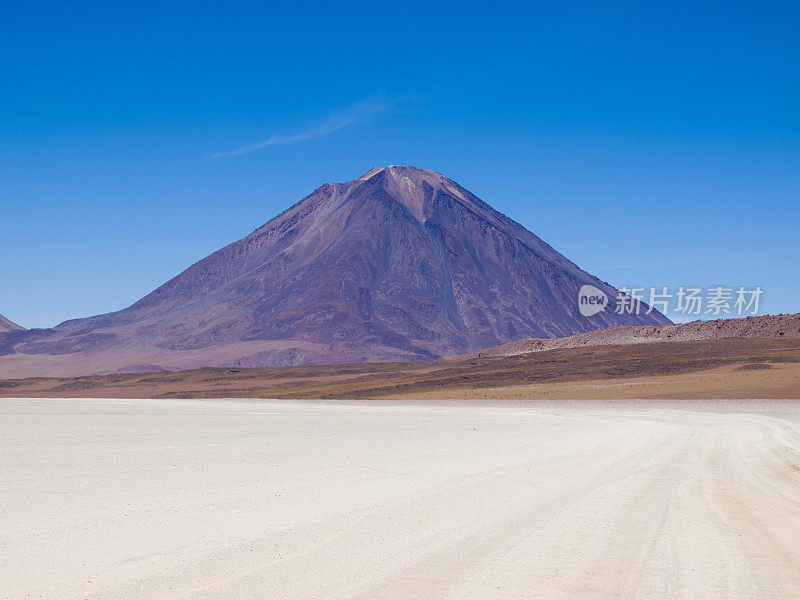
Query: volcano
pixel 399 264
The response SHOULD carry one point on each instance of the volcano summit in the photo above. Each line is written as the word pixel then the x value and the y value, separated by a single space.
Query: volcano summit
pixel 399 264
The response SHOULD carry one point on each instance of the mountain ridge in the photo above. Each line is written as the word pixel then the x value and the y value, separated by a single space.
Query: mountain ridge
pixel 750 327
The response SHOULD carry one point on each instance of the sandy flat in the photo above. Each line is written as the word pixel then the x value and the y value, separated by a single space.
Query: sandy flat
pixel 779 381
pixel 264 499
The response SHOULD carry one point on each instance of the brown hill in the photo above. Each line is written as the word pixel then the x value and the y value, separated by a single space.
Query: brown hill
pixel 399 264
pixel 6 325
pixel 768 326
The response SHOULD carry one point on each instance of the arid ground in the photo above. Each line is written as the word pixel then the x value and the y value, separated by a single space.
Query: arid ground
pixel 194 499
pixel 724 368
pixel 589 472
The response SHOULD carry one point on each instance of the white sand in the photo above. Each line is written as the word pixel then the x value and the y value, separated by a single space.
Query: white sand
pixel 232 500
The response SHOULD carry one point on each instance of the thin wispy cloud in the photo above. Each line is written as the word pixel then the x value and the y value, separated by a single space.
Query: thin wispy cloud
pixel 351 115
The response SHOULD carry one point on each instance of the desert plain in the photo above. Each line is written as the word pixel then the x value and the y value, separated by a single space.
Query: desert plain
pixel 201 499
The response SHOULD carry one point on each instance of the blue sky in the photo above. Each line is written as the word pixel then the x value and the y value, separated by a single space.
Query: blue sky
pixel 653 145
